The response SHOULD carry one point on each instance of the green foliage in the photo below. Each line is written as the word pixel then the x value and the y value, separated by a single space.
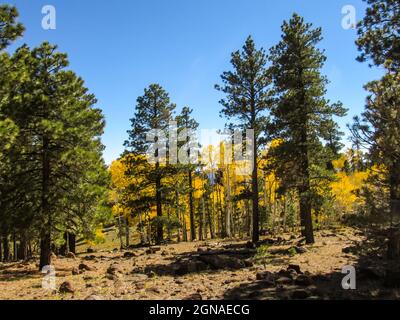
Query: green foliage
pixel 263 255
pixel 10 29
pixel 379 34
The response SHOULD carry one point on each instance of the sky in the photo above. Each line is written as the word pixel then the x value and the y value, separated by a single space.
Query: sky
pixel 120 47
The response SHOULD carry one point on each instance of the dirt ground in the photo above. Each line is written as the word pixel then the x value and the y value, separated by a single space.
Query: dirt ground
pixel 281 268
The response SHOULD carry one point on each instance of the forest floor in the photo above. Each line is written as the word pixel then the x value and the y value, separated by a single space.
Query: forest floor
pixel 280 268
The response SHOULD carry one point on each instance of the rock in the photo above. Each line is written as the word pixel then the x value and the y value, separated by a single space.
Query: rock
pixel 222 262
pixel 191 266
pixel 265 275
pixel 283 280
pixel 75 271
pixel 153 289
pixel 129 254
pixel 153 250
pixel 295 267
pixel 194 296
pixel 266 284
pixel 94 297
pixel 300 294
pixel 90 250
pixel 288 273
pixel 113 277
pixel 303 280
pixel 85 267
pixel 71 255
pixel 251 245
pixel 203 249
pixel 300 250
pixel 66 287
pixel 151 274
pixel 114 269
pixel 90 258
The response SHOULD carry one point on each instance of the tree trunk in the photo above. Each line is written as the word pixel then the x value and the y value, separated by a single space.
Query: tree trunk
pixel 72 242
pixel 210 220
pixel 45 239
pixel 254 184
pixel 45 250
pixel 159 230
pixel 15 247
pixel 121 242
pixel 191 211
pixel 178 215
pixel 127 233
pixel 6 248
pixel 22 253
pixel 169 235
pixel 228 205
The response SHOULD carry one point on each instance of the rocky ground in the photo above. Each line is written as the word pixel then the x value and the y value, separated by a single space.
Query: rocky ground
pixel 280 268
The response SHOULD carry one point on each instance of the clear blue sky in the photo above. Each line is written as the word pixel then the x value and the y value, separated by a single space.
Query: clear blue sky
pixel 119 47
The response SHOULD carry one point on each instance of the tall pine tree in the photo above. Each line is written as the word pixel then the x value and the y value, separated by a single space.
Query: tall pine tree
pixel 153 111
pixel 185 121
pixel 378 129
pixel 248 99
pixel 303 117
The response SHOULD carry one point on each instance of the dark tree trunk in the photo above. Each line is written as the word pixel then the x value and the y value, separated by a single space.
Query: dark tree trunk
pixel 210 221
pixel 45 251
pixel 305 196
pixel 1 249
pixel 22 253
pixel 15 247
pixel 201 222
pixel 178 216
pixel 254 187
pixel 72 242
pixel 191 209
pixel 160 233
pixel 6 249
pixel 45 239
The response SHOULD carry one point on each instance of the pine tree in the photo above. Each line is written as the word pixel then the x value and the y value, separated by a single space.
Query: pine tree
pixel 248 99
pixel 379 34
pixel 10 29
pixel 185 121
pixel 379 126
pixel 58 139
pixel 303 117
pixel 153 111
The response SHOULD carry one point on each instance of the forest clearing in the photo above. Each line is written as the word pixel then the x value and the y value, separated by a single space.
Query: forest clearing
pixel 216 270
